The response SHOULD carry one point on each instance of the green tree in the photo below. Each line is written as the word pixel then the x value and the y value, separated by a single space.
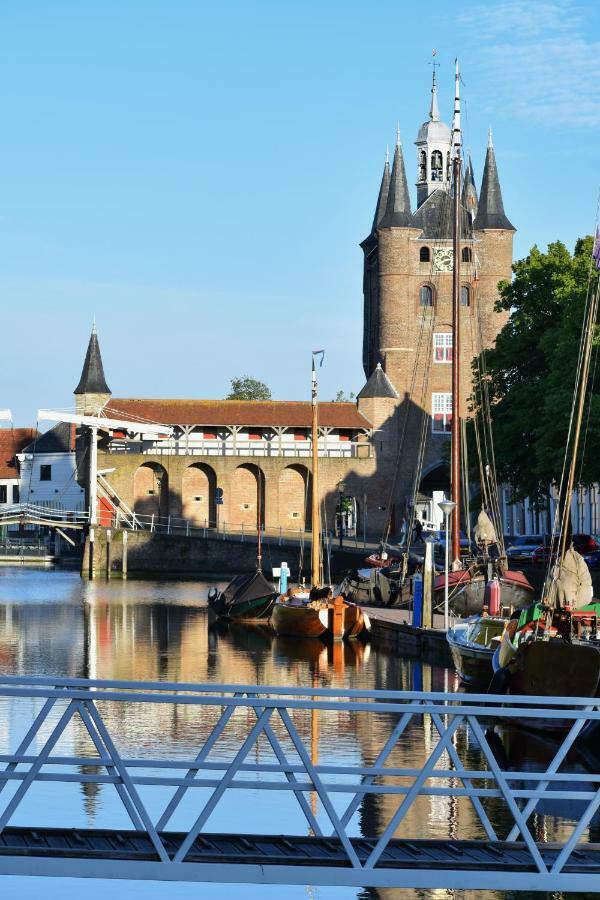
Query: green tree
pixel 530 372
pixel 342 397
pixel 246 388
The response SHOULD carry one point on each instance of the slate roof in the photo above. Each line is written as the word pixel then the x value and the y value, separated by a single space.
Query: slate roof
pixel 490 212
pixel 434 217
pixel 397 209
pixel 59 439
pixel 382 198
pixel 92 379
pixel 378 385
pixel 258 413
pixel 13 441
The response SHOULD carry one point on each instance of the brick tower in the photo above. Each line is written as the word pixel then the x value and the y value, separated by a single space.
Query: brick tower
pixel 407 285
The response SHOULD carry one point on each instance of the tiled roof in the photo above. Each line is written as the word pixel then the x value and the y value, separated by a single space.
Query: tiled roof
pixel 259 413
pixel 12 441
pixel 58 439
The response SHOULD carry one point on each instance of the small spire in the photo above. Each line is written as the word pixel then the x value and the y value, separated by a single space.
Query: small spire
pixel 397 211
pixel 490 211
pixel 434 112
pixel 383 195
pixel 92 379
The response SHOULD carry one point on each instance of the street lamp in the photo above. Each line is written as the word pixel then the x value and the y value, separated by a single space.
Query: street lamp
pixel 446 507
pixel 341 489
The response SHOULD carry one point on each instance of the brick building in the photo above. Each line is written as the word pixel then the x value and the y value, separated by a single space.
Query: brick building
pixel 386 448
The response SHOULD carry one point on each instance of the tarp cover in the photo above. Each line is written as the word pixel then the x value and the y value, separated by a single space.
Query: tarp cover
pixel 485 532
pixel 244 588
pixel 574 582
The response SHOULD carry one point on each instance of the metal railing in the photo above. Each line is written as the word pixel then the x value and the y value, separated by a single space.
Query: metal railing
pixel 39 513
pixel 269 747
pixel 291 450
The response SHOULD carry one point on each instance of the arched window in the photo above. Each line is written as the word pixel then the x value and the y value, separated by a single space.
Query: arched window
pixel 465 295
pixel 467 254
pixel 422 166
pixel 426 295
pixel 424 255
pixel 437 166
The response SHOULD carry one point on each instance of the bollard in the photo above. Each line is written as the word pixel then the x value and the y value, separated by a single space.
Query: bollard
pixel 91 553
pixel 428 578
pixel 417 616
pixel 124 563
pixel 108 542
pixel 336 618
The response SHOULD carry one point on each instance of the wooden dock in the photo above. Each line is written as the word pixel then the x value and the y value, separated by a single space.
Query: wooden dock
pixel 391 629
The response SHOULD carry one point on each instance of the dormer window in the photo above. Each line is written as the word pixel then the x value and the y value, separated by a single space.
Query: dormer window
pixel 437 166
pixel 467 254
pixel 424 254
pixel 426 295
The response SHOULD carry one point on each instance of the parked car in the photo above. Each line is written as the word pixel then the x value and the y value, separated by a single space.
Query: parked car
pixel 593 559
pixel 522 546
pixel 582 543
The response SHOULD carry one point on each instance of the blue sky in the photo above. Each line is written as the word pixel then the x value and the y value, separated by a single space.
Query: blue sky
pixel 199 175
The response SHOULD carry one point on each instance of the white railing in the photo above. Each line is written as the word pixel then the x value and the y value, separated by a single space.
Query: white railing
pixel 299 450
pixel 41 513
pixel 416 747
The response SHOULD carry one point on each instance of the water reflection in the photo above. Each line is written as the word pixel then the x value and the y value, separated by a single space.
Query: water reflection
pixel 53 623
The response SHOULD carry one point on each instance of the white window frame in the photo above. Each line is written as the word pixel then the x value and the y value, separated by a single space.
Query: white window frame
pixel 443 340
pixel 441 404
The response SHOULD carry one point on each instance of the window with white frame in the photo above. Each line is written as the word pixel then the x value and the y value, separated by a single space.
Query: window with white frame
pixel 442 347
pixel 441 413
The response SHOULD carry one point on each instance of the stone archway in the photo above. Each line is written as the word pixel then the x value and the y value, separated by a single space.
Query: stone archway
pixel 246 506
pixel 151 490
pixel 198 486
pixel 294 496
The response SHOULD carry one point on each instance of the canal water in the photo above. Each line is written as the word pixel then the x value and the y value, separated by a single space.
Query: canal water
pixel 53 623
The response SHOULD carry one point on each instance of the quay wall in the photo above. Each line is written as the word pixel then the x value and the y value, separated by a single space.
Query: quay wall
pixel 149 552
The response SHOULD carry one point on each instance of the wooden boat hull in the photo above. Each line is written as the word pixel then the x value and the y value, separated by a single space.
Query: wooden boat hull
pixel 467 591
pixel 301 621
pixel 554 668
pixel 472 649
pixel 356 621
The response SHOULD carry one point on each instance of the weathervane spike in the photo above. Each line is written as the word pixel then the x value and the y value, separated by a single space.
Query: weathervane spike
pixel 387 154
pixel 398 135
pixel 490 141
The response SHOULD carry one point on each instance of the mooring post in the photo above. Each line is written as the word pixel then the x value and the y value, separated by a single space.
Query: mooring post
pixel 124 561
pixel 428 576
pixel 91 540
pixel 108 541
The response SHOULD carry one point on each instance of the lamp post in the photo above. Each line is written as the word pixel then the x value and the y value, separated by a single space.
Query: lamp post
pixel 341 488
pixel 446 507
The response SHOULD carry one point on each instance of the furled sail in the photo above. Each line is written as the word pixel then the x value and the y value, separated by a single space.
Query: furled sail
pixel 484 532
pixel 574 582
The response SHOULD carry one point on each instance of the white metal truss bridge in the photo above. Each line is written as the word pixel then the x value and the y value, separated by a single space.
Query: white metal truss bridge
pixel 244 748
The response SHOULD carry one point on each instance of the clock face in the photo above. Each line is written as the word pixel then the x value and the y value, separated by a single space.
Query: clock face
pixel 443 259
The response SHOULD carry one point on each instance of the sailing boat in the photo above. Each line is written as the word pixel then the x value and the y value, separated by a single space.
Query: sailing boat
pixel 247 598
pixel 553 649
pixel 317 613
pixel 485 578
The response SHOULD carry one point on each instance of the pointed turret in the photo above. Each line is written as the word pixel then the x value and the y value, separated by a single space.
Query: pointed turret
pixel 397 210
pixel 383 195
pixel 378 386
pixel 469 191
pixel 92 392
pixel 490 212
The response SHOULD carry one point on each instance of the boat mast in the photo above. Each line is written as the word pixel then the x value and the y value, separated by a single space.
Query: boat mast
pixel 315 572
pixel 456 223
pixel 259 521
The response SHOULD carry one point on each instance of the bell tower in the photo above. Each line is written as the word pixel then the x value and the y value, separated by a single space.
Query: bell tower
pixel 433 152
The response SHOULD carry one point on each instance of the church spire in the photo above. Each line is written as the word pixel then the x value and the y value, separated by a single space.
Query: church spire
pixel 469 191
pixel 490 212
pixel 383 194
pixel 434 112
pixel 397 210
pixel 92 379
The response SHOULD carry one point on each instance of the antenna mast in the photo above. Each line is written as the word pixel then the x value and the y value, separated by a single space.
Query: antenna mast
pixel 316 569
